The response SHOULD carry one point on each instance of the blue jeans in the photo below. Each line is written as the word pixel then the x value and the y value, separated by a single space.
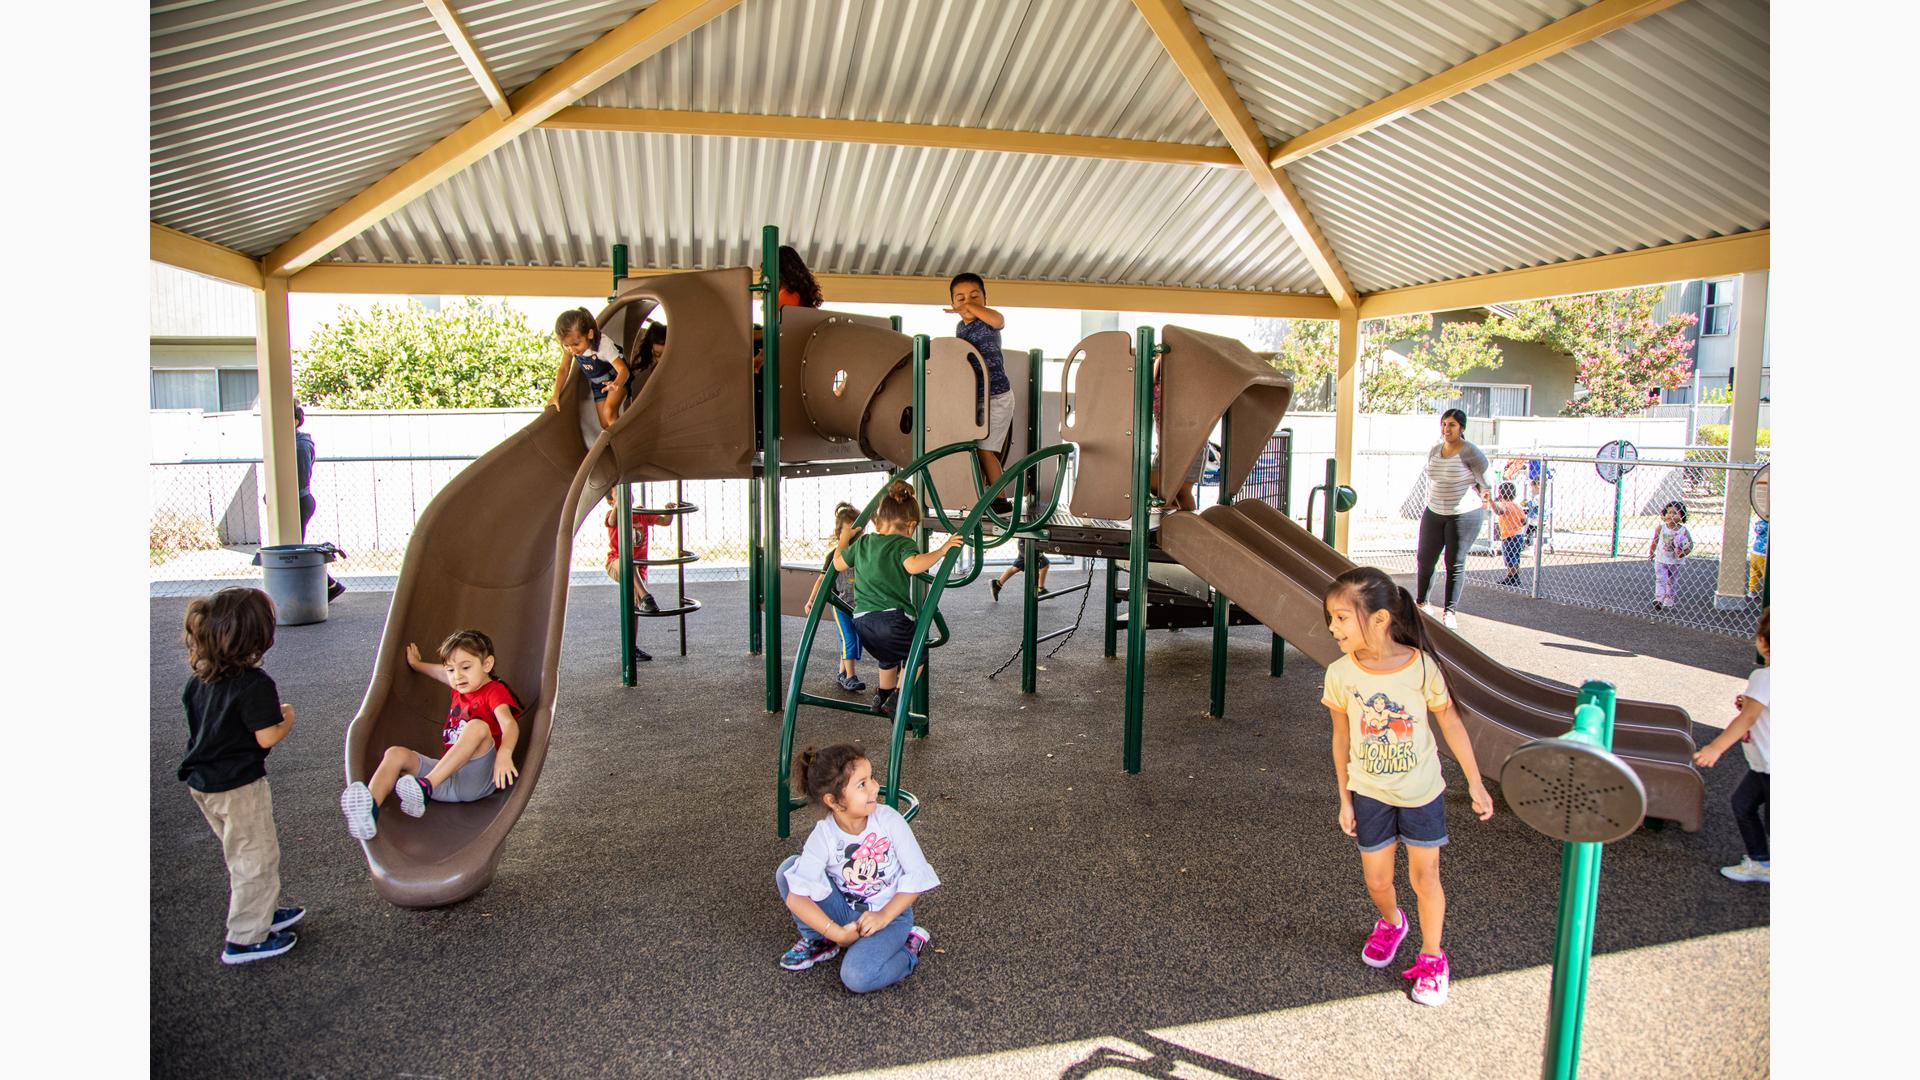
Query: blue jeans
pixel 874 962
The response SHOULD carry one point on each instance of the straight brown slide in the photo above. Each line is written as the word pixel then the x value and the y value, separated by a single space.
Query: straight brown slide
pixel 492 550
pixel 1278 572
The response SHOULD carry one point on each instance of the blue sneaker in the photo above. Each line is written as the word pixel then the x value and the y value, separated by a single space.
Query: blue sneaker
pixel 286 917
pixel 275 944
pixel 804 954
pixel 850 683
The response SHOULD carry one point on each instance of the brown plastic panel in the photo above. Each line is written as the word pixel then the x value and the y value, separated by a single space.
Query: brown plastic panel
pixel 691 421
pixel 1099 422
pixel 1206 376
pixel 800 440
pixel 866 355
pixel 796 590
pixel 1278 572
pixel 956 412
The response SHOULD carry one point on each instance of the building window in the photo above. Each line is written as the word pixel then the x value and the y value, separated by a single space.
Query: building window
pixel 1716 312
pixel 1491 399
pixel 209 390
pixel 239 389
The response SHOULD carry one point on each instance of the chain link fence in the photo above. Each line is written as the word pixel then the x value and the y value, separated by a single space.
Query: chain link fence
pixel 1587 541
pixel 206 519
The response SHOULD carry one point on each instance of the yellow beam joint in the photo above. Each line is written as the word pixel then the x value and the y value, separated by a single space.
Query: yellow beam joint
pixel 884 133
pixel 618 50
pixel 175 248
pixel 469 54
pixel 413 280
pixel 1716 257
pixel 1194 57
pixel 1551 40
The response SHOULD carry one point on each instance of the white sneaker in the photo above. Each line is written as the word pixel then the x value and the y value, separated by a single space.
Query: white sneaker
pixel 413 797
pixel 1447 619
pixel 1430 610
pixel 357 804
pixel 1749 870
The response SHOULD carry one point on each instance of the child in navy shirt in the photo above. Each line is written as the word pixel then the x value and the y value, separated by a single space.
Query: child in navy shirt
pixel 980 327
pixel 599 360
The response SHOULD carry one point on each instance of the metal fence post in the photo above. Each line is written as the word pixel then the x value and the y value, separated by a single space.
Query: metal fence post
pixel 1540 533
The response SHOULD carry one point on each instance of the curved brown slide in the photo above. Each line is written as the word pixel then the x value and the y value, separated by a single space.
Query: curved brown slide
pixel 492 551
pixel 1278 572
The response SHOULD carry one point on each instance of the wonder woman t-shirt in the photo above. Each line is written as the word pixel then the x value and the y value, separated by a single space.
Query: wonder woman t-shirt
pixel 1393 756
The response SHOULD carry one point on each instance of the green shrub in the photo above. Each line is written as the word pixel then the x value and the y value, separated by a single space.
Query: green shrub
pixel 1715 435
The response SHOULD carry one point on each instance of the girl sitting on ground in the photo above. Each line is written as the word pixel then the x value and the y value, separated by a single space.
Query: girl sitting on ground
pixel 1386 695
pixel 853 885
pixel 478 738
pixel 599 360
pixel 883 564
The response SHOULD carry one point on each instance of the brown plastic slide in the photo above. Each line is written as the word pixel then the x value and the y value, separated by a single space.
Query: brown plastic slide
pixel 1278 572
pixel 491 551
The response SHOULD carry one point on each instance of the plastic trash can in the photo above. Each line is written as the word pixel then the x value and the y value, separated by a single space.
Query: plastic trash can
pixel 295 576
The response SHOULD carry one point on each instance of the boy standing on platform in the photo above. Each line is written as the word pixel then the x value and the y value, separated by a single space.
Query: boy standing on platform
pixel 980 327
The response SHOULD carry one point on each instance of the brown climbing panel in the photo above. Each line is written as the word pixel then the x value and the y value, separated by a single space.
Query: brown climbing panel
pixel 844 366
pixel 1205 376
pixel 800 439
pixel 1097 385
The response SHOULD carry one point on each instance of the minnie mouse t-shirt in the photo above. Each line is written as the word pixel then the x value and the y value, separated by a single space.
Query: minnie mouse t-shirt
pixel 867 869
pixel 479 705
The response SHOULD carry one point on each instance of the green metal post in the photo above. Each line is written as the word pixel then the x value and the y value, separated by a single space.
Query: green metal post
pixel 629 669
pixel 754 562
pixel 1030 597
pixel 1217 684
pixel 1619 490
pixel 894 321
pixel 1112 612
pixel 1327 509
pixel 619 269
pixel 1137 550
pixel 1579 897
pixel 922 348
pixel 770 457
pixel 1277 666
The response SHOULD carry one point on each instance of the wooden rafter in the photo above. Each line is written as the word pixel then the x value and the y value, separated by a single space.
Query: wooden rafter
pixel 647 33
pixel 1551 40
pixel 175 248
pixel 1191 54
pixel 469 54
pixel 884 133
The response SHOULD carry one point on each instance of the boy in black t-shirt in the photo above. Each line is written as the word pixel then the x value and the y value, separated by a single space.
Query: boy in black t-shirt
pixel 234 717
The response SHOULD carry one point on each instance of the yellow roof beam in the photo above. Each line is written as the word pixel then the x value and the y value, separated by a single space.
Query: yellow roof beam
pixel 884 133
pixel 1556 37
pixel 377 278
pixel 175 248
pixel 462 43
pixel 1191 54
pixel 618 50
pixel 1716 257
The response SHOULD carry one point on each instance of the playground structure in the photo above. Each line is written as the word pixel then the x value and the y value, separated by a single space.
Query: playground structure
pixel 840 392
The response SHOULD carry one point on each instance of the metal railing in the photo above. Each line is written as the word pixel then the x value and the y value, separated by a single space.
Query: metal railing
pixel 1586 542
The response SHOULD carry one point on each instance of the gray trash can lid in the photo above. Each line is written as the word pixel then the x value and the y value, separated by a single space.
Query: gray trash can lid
pixel 328 552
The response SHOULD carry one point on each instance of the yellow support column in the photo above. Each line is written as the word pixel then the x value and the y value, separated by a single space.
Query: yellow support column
pixel 273 348
pixel 1743 428
pixel 1346 405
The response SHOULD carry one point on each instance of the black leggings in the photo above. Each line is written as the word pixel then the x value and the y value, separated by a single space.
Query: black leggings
pixel 1455 533
pixel 1754 792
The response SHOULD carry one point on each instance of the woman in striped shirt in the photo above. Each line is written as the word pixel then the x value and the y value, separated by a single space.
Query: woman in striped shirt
pixel 1454 468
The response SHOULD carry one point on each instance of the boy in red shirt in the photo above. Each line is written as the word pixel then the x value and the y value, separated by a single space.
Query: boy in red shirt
pixel 478 738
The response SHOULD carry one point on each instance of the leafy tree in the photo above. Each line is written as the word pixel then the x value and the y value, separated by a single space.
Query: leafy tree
pixel 471 355
pixel 1389 382
pixel 1619 350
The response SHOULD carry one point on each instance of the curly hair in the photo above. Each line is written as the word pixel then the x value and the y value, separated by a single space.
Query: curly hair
pixel 228 632
pixel 826 772
pixel 797 279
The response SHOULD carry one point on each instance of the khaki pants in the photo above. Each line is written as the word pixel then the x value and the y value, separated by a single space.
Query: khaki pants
pixel 243 820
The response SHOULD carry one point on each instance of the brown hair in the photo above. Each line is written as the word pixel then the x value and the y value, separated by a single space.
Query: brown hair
pixel 1761 631
pixel 897 507
pixel 826 772
pixel 844 515
pixel 797 279
pixel 577 321
pixel 479 645
pixel 228 632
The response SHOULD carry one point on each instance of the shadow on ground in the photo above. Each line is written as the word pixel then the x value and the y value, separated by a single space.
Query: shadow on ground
pixel 633 926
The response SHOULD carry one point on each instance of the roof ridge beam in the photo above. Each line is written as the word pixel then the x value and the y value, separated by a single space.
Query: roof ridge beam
pixel 885 133
pixel 469 54
pixel 1189 51
pixel 1550 40
pixel 1718 256
pixel 188 252
pixel 613 53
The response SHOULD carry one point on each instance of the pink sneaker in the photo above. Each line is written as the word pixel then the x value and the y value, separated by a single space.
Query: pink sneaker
pixel 1430 978
pixel 1384 941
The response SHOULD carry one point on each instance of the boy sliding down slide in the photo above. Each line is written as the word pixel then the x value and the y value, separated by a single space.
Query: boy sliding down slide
pixel 481 730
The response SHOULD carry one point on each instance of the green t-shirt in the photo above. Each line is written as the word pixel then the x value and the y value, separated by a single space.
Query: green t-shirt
pixel 880 581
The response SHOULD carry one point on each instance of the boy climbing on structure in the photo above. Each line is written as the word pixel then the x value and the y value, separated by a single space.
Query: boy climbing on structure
pixel 980 327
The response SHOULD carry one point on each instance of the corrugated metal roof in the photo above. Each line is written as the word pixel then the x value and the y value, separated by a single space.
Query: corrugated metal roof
pixel 1301 63
pixel 1656 133
pixel 266 114
pixel 988 63
pixel 699 202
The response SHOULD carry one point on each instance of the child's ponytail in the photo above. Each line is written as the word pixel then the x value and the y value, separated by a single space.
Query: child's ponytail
pixel 825 772
pixel 578 321
pixel 897 507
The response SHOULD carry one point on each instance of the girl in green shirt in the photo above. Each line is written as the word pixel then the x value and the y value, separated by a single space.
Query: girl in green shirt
pixel 883 564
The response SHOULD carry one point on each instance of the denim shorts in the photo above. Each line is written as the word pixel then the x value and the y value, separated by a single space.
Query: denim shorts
pixel 1382 824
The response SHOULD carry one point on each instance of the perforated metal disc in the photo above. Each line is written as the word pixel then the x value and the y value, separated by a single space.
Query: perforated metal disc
pixel 1571 791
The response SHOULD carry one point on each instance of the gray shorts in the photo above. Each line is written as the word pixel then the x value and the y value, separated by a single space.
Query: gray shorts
pixel 472 783
pixel 999 423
